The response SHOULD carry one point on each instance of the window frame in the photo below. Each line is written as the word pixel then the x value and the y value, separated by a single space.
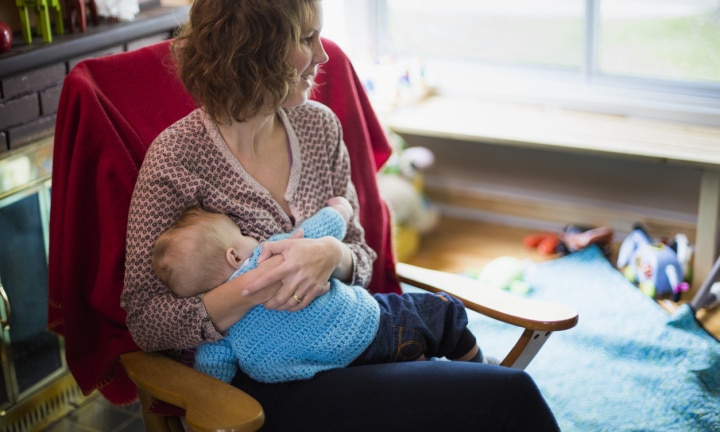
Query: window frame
pixel 589 89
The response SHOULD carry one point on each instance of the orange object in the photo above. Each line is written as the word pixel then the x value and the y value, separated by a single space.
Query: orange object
pixel 545 242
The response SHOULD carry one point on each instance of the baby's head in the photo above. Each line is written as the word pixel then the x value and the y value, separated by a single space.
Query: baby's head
pixel 199 251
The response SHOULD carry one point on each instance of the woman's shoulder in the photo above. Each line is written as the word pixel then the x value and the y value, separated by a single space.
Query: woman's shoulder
pixel 315 106
pixel 312 110
pixel 188 125
pixel 174 138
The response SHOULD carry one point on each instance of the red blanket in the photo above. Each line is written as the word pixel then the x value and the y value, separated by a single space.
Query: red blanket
pixel 340 88
pixel 111 109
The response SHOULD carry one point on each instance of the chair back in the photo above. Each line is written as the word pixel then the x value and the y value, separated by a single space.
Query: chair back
pixel 110 110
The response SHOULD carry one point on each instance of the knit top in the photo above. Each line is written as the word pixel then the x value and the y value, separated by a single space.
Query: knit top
pixel 190 164
pixel 276 346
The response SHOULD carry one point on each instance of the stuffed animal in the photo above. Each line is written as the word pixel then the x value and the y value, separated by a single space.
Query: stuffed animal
pixel 407 205
pixel 400 185
pixel 657 268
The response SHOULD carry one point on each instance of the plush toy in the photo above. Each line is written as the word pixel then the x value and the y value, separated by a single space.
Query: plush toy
pixel 506 273
pixel 400 185
pixel 657 268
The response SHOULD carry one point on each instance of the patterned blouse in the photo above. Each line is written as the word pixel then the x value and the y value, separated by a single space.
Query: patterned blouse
pixel 190 164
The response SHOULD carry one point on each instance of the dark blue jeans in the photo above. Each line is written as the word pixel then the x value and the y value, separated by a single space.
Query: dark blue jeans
pixel 417 324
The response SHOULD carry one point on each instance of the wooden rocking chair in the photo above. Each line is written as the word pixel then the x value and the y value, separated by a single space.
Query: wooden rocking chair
pixel 110 110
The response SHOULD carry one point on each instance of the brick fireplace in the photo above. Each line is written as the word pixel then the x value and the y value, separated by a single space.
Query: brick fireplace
pixel 31 75
pixel 35 386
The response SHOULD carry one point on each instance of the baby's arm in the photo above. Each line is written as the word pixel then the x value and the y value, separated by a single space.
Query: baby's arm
pixel 342 206
pixel 326 222
pixel 216 359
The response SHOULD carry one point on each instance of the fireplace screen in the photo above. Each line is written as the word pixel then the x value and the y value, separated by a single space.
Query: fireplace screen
pixel 29 354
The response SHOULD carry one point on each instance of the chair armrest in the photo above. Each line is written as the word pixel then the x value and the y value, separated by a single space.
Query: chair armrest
pixel 492 302
pixel 538 318
pixel 209 403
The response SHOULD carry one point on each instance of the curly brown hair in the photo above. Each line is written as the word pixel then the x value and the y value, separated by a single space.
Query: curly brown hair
pixel 232 55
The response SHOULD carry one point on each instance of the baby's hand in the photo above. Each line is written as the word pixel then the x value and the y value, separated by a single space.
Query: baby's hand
pixel 267 250
pixel 342 206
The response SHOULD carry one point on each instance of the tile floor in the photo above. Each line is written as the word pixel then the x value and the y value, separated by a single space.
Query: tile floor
pixel 98 415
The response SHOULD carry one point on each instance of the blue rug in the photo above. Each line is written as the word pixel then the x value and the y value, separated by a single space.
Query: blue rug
pixel 627 365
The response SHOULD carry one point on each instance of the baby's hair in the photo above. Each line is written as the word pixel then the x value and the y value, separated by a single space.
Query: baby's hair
pixel 171 262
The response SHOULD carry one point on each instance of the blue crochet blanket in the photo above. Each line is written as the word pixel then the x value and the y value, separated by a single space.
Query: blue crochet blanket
pixel 627 365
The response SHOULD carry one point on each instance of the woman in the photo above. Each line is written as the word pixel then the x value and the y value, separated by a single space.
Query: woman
pixel 260 152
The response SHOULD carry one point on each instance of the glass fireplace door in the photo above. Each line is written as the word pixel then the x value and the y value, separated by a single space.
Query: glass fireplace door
pixel 30 354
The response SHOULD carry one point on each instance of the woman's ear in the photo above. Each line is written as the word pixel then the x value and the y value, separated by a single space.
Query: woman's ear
pixel 233 258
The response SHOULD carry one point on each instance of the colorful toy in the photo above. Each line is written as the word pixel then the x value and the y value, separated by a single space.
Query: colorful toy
pixel 506 273
pixel 545 242
pixel 41 8
pixel 655 267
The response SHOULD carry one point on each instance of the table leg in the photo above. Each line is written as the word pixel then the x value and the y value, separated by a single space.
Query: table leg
pixel 707 226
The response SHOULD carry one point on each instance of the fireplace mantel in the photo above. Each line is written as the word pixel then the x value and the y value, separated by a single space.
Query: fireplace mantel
pixel 27 57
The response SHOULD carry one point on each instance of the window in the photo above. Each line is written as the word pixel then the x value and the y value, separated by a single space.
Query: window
pixel 646 57
pixel 674 40
pixel 547 33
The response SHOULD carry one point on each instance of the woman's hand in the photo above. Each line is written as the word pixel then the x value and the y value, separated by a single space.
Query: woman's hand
pixel 226 304
pixel 305 272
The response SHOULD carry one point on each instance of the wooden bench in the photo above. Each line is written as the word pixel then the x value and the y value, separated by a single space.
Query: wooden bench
pixel 573 131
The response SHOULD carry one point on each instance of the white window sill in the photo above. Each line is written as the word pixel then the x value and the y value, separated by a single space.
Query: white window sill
pixel 528 125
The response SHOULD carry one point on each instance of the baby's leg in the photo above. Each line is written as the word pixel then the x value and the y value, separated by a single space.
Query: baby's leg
pixel 444 320
pixel 474 354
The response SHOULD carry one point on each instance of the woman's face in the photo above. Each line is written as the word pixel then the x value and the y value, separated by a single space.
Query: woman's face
pixel 306 57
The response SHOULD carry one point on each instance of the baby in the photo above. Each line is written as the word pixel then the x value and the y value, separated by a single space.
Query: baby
pixel 346 326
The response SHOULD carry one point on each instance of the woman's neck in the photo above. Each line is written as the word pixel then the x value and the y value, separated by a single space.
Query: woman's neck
pixel 260 145
pixel 251 136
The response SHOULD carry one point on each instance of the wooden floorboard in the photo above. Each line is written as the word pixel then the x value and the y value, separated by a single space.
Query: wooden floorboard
pixel 459 245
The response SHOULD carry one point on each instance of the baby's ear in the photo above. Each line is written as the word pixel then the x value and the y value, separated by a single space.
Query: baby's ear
pixel 233 258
